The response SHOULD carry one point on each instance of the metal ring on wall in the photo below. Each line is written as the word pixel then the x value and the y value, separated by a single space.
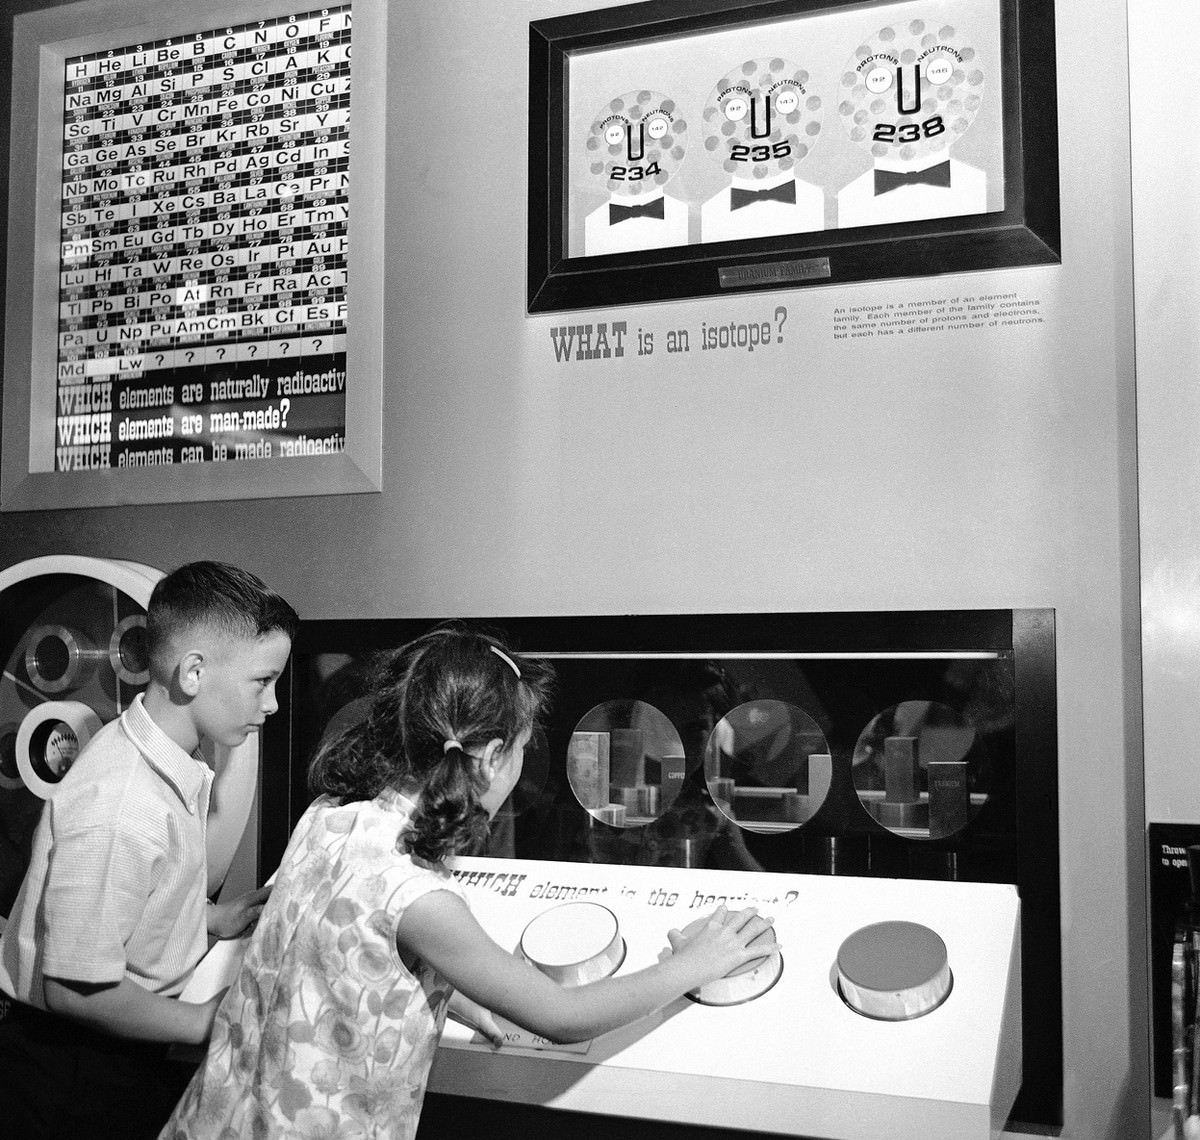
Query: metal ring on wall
pixel 58 659
pixel 127 650
pixel 48 741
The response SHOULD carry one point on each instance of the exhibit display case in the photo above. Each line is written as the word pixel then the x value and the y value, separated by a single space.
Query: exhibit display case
pixel 851 773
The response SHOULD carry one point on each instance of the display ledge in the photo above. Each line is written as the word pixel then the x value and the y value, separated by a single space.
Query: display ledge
pixel 795 1060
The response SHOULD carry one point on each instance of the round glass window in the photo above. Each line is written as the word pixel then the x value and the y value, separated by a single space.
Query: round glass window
pixel 920 770
pixel 625 763
pixel 767 766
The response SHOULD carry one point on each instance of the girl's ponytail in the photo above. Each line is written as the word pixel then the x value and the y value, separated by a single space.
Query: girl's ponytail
pixel 448 819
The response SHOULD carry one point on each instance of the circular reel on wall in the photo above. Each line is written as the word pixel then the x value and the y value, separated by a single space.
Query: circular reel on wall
pixel 74 655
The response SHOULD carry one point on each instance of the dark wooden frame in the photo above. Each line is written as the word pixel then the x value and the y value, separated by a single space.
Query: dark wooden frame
pixel 1025 232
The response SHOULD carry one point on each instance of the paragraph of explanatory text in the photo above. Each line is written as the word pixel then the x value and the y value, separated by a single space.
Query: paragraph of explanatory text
pixel 947 314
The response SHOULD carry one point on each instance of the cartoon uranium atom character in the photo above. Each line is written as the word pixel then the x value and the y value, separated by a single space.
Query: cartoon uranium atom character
pixel 634 146
pixel 907 95
pixel 760 121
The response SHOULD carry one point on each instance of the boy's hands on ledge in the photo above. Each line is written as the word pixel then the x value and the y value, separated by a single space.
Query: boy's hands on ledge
pixel 229 919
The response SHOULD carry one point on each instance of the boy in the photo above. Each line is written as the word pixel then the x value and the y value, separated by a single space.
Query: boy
pixel 112 915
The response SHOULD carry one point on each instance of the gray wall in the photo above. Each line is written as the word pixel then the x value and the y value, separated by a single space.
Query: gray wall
pixel 992 468
pixel 1166 183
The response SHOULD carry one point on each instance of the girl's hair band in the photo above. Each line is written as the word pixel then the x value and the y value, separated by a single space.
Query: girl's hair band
pixel 451 744
pixel 506 659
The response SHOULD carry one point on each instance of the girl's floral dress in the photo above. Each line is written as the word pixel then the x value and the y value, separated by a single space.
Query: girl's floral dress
pixel 326 1032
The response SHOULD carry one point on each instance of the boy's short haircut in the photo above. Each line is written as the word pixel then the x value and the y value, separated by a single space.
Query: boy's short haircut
pixel 219 596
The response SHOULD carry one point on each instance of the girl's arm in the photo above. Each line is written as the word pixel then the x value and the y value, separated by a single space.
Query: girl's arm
pixel 440 929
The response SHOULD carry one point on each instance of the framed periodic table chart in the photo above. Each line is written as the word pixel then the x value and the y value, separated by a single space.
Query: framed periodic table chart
pixel 194 275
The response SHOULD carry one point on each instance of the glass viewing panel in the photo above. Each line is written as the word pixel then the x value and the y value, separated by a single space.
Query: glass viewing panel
pixel 775 762
pixel 754 761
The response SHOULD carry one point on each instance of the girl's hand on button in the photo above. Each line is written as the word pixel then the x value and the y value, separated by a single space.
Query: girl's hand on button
pixel 723 941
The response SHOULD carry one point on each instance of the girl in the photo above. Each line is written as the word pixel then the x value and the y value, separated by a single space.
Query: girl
pixel 331 1025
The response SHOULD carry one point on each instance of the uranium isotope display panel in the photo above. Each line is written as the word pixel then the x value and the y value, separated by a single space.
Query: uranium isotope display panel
pixel 203 269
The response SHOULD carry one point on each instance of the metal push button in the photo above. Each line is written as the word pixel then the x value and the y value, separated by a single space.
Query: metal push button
pixel 893 971
pixel 574 943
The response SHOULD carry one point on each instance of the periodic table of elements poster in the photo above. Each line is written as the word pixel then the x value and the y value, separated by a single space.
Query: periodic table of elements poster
pixel 202 282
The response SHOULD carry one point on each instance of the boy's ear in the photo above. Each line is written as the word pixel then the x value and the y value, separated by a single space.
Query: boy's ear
pixel 191 666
